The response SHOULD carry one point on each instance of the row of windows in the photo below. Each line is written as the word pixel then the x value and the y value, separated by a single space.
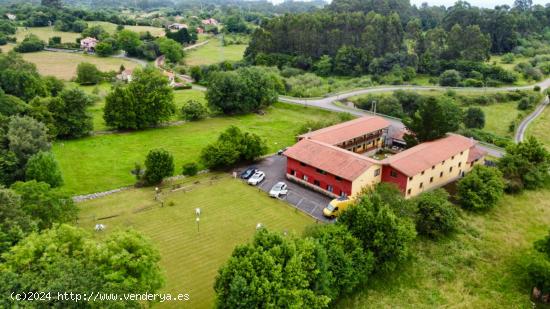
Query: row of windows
pixel 433 167
pixel 432 180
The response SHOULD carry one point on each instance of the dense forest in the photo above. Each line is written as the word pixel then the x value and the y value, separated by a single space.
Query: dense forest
pixel 352 37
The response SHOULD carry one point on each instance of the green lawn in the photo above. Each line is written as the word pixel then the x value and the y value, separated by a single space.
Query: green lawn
pixel 103 162
pixel 63 65
pixel 214 52
pixel 111 28
pixel 540 128
pixel 479 267
pixel 45 33
pixel 230 211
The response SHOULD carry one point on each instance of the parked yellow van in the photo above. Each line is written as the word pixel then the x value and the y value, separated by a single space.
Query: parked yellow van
pixel 336 206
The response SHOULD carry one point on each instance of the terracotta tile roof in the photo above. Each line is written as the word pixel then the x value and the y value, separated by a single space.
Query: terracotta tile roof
pixel 348 130
pixel 421 157
pixel 475 154
pixel 334 160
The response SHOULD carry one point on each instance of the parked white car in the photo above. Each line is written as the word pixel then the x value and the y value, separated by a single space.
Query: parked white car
pixel 278 189
pixel 258 177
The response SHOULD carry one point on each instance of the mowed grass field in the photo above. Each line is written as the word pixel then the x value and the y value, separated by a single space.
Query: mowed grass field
pixel 45 33
pixel 230 211
pixel 111 28
pixel 103 162
pixel 63 65
pixel 479 267
pixel 214 52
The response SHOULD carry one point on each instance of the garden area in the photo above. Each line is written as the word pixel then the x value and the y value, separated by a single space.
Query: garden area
pixel 230 211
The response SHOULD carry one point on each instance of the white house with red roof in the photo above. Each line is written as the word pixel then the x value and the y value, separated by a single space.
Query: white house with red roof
pixel 88 44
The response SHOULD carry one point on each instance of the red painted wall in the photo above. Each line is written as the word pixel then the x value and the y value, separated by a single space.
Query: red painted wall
pixel 400 180
pixel 312 174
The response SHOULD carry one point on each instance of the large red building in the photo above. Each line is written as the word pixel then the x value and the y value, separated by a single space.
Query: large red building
pixel 333 161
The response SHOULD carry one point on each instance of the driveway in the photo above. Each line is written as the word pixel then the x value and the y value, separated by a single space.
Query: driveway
pixel 306 200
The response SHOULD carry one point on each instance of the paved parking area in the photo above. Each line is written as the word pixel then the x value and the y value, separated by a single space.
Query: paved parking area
pixel 304 199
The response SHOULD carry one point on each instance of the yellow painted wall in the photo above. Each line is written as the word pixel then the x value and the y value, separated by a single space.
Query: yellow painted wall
pixel 367 179
pixel 458 164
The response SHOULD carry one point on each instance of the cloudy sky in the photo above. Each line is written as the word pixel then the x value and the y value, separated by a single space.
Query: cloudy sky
pixel 481 3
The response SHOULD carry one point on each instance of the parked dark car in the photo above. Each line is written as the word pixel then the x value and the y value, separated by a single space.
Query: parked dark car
pixel 248 172
pixel 281 151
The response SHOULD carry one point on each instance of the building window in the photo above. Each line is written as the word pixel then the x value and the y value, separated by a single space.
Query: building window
pixel 320 171
pixel 293 172
pixel 422 173
pixel 433 167
pixel 302 164
pixel 461 152
pixel 393 174
pixel 376 172
pixel 442 163
pixel 409 192
pixel 441 174
pixel 305 177
pixel 459 164
pixel 410 178
pixel 330 188
pixel 421 185
pixel 342 193
pixel 450 169
pixel 317 183
pixel 338 178
pixel 431 179
pixel 453 157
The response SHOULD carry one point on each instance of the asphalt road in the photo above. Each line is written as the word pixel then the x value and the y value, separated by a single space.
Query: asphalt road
pixel 522 128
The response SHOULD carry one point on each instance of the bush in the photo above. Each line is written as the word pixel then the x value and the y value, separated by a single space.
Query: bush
pixel 470 82
pixel 193 110
pixel 449 78
pixel 159 164
pixel 481 188
pixel 538 265
pixel 436 216
pixel 190 169
pixel 30 43
pixel 525 104
pixel 43 167
pixel 536 88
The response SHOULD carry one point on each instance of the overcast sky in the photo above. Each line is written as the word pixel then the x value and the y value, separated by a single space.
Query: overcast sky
pixel 480 3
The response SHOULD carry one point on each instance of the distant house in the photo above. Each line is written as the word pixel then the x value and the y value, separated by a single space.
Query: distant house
pixel 171 77
pixel 177 26
pixel 200 30
pixel 125 75
pixel 11 16
pixel 88 44
pixel 210 21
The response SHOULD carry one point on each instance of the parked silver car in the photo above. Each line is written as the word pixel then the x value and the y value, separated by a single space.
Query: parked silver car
pixel 258 177
pixel 278 189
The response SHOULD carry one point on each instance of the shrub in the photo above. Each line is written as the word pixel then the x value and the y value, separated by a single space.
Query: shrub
pixel 524 104
pixel 436 216
pixel 536 88
pixel 538 265
pixel 481 188
pixel 43 167
pixel 193 110
pixel 470 82
pixel 159 164
pixel 190 169
pixel 508 58
pixel 30 43
pixel 449 78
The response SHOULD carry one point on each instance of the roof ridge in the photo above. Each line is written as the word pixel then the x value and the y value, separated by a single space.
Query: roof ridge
pixel 341 124
pixel 351 153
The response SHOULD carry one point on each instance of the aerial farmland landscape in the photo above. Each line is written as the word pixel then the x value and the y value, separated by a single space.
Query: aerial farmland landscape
pixel 259 154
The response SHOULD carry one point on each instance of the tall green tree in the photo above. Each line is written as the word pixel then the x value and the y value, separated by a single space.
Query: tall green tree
pixel 481 188
pixel 171 49
pixel 66 258
pixel 435 216
pixel 147 101
pixel 525 165
pixel 434 118
pixel 159 164
pixel 474 118
pixel 274 271
pixel 71 117
pixel 15 223
pixel 88 74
